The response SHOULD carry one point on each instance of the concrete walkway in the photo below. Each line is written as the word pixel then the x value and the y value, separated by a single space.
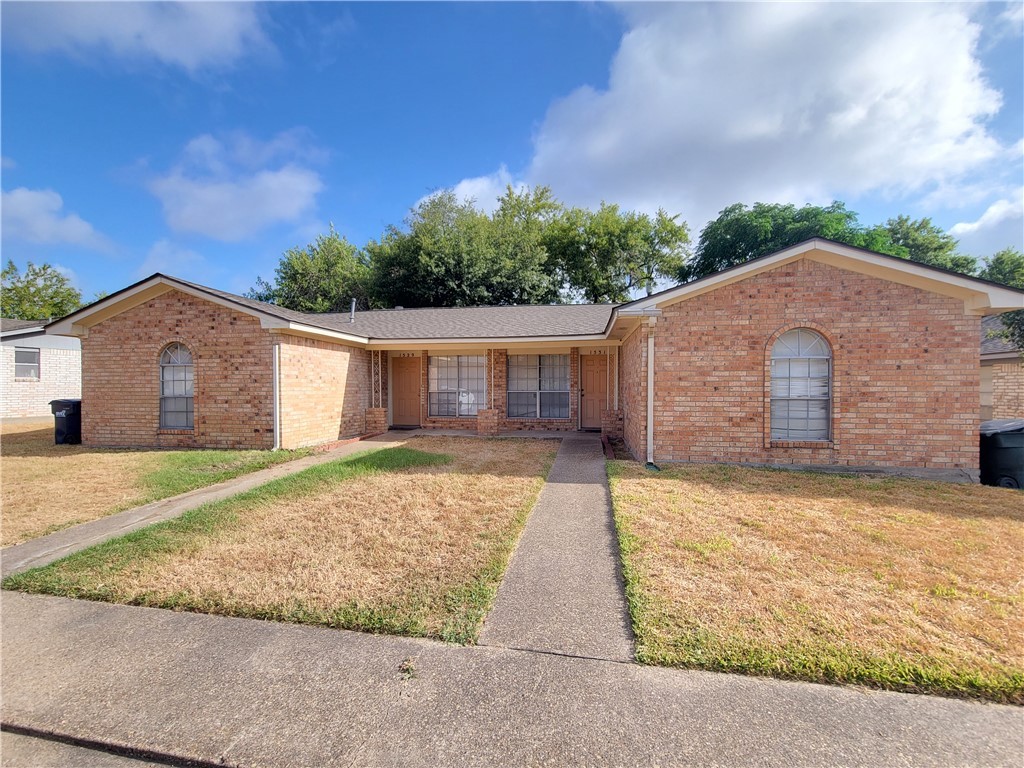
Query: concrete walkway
pixel 562 592
pixel 252 693
pixel 46 549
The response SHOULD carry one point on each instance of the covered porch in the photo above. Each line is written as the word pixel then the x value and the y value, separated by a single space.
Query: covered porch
pixel 513 389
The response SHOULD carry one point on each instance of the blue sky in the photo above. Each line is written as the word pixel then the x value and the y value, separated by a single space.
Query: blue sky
pixel 203 139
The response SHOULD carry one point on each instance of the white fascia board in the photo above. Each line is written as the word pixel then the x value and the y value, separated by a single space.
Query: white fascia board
pixel 33 329
pixel 654 312
pixel 277 324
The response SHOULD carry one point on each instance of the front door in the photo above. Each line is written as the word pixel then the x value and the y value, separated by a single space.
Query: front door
pixel 405 392
pixel 593 390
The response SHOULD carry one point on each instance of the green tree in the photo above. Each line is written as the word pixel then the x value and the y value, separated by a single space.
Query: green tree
pixel 1007 267
pixel 607 255
pixel 928 244
pixel 39 294
pixel 451 254
pixel 322 277
pixel 740 234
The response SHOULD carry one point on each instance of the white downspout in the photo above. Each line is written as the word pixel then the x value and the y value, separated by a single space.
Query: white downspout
pixel 650 389
pixel 277 397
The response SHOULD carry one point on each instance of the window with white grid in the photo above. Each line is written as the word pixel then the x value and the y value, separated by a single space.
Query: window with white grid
pixel 801 381
pixel 456 385
pixel 538 386
pixel 26 363
pixel 176 387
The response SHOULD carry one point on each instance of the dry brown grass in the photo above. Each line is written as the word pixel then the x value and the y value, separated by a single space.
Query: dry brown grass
pixel 45 486
pixel 418 550
pixel 897 582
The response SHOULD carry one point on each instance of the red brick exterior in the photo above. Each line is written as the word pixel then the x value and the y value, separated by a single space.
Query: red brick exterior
pixel 233 381
pixel 1008 390
pixel 633 391
pixel 906 382
pixel 905 377
pixel 376 421
pixel 325 391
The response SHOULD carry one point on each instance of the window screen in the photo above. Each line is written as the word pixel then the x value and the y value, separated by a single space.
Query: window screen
pixel 801 386
pixel 26 363
pixel 176 388
pixel 456 385
pixel 538 386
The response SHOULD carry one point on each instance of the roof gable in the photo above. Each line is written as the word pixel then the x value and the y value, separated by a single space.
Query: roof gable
pixel 980 297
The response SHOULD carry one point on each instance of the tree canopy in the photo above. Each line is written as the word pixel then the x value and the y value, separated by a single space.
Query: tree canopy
pixel 322 277
pixel 39 294
pixel 1007 267
pixel 606 255
pixel 449 253
pixel 740 234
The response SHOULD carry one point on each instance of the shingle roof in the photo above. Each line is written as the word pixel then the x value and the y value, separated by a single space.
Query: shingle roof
pixel 478 322
pixel 447 323
pixel 992 342
pixel 7 324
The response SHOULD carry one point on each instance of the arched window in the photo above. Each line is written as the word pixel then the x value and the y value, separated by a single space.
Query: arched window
pixel 801 386
pixel 176 385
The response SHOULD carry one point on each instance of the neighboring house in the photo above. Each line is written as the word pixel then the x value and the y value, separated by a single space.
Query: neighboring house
pixel 819 354
pixel 1002 373
pixel 36 368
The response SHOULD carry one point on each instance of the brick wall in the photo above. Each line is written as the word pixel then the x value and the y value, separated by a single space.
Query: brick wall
pixel 633 391
pixel 60 376
pixel 325 391
pixel 233 383
pixel 1008 390
pixel 906 382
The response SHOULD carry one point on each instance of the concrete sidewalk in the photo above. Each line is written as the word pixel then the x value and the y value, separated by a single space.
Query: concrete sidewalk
pixel 251 693
pixel 562 592
pixel 46 549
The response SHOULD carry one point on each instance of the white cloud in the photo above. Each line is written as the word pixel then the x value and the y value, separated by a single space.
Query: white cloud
pixel 483 190
pixel 37 216
pixel 170 259
pixel 190 35
pixel 715 103
pixel 220 189
pixel 1000 226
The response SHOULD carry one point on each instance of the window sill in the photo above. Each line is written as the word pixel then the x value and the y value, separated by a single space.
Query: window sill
pixel 801 444
pixel 538 419
pixel 27 378
pixel 451 418
pixel 169 431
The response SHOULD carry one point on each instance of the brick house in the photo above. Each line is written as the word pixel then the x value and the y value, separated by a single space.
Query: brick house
pixel 35 368
pixel 818 354
pixel 1002 373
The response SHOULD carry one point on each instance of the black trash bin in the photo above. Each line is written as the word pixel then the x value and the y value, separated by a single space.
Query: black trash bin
pixel 1002 453
pixel 67 421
